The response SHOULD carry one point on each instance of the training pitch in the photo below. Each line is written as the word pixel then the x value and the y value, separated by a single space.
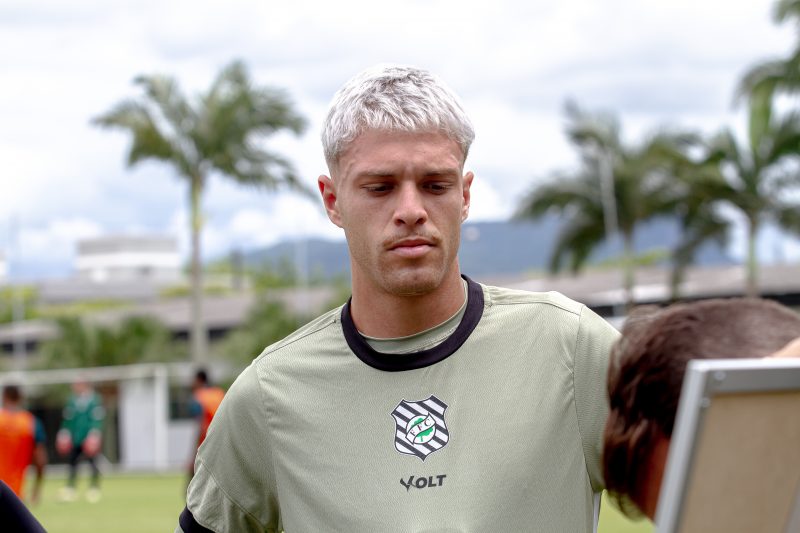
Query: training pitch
pixel 152 503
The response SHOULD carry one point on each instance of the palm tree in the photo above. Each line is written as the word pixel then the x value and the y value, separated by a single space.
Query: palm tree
pixel 616 186
pixel 216 133
pixel 758 179
pixel 701 222
pixel 763 80
pixel 757 175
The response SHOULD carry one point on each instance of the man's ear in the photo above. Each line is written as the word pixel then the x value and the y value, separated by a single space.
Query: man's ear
pixel 465 190
pixel 327 188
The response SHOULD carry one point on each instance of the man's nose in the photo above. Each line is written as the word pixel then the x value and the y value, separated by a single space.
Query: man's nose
pixel 410 209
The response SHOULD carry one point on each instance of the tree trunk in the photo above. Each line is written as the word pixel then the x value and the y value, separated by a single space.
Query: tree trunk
pixel 751 289
pixel 627 270
pixel 675 280
pixel 199 335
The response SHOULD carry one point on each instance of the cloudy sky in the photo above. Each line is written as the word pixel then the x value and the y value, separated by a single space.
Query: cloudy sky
pixel 514 62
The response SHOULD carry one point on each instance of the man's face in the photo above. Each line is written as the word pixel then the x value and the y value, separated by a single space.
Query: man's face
pixel 401 199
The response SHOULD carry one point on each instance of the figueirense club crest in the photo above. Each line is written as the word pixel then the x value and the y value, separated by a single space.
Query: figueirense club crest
pixel 420 427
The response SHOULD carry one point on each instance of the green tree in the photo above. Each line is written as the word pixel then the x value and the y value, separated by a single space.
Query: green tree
pixel 23 298
pixel 616 188
pixel 221 132
pixel 761 176
pixel 267 321
pixel 137 339
pixel 758 180
pixel 765 79
pixel 701 222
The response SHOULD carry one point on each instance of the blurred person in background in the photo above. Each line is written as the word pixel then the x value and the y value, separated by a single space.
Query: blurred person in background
pixel 80 436
pixel 22 443
pixel 646 372
pixel 205 401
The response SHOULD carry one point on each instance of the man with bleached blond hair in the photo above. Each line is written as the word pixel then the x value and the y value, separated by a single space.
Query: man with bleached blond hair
pixel 427 402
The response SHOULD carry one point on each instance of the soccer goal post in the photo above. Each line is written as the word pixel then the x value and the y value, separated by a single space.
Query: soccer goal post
pixel 146 427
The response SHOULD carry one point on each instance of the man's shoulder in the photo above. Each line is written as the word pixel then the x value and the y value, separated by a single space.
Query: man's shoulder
pixel 283 354
pixel 495 295
pixel 17 414
pixel 307 334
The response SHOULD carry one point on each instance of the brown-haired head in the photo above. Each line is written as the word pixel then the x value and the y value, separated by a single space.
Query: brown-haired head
pixel 11 394
pixel 646 371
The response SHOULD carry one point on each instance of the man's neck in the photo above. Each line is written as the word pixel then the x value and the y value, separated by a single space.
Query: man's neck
pixel 383 315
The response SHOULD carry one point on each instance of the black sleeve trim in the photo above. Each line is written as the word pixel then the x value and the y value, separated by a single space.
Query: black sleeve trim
pixel 189 524
pixel 393 363
pixel 14 516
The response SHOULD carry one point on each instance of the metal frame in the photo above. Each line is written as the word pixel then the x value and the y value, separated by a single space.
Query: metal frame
pixel 703 380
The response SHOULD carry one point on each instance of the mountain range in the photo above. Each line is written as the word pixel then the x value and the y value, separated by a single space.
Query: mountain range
pixel 491 248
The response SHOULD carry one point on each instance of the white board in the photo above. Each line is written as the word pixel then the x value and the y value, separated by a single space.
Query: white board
pixel 734 458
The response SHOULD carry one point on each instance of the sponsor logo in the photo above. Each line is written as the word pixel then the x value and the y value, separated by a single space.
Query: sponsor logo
pixel 420 428
pixel 423 482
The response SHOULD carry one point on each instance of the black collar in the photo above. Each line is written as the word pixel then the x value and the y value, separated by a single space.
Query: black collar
pixel 421 359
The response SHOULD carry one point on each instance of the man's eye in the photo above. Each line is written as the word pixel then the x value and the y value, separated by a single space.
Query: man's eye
pixel 437 187
pixel 378 188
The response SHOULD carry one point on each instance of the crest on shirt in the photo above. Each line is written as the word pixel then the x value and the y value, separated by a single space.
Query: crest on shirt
pixel 420 428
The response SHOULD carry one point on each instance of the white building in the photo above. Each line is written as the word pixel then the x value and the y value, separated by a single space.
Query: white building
pixel 128 259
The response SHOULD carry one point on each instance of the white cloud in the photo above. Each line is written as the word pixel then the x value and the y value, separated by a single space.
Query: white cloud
pixel 291 218
pixel 279 218
pixel 513 62
pixel 49 246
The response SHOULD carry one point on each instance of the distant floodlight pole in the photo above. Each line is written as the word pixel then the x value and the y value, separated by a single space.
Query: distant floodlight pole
pixel 609 202
pixel 607 195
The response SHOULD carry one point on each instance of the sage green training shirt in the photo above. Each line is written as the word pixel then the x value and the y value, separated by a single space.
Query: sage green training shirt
pixel 497 428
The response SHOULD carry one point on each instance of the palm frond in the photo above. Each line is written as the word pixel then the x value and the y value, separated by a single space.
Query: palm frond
pixel 788 216
pixel 148 140
pixel 165 93
pixel 592 131
pixel 783 10
pixel 558 193
pixel 760 115
pixel 762 77
pixel 698 228
pixel 579 236
pixel 783 139
pixel 259 168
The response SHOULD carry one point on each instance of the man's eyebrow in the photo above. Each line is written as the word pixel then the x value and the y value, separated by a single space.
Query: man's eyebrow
pixel 442 172
pixel 376 173
pixel 386 173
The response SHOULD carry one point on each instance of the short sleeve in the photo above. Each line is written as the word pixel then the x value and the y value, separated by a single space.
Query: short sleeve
pixel 595 339
pixel 233 488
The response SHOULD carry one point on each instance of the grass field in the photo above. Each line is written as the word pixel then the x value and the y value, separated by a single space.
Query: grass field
pixel 151 504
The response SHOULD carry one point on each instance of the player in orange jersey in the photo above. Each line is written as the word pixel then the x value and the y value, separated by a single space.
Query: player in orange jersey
pixel 22 441
pixel 206 400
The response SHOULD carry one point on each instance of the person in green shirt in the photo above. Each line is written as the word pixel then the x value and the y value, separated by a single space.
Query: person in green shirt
pixel 428 402
pixel 80 437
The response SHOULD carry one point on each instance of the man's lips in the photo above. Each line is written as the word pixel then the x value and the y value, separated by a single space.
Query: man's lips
pixel 411 247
